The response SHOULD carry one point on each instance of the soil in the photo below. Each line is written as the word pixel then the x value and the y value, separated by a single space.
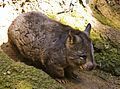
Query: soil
pixel 95 79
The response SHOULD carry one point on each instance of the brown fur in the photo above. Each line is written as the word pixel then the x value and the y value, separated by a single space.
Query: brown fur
pixel 55 47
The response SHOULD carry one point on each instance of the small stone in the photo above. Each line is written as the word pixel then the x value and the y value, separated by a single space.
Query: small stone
pixel 8 72
pixel 4 73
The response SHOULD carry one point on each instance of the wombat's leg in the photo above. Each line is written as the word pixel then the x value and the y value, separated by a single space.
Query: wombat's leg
pixel 75 77
pixel 69 73
pixel 55 71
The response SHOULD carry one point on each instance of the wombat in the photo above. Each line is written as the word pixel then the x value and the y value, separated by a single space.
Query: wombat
pixel 56 48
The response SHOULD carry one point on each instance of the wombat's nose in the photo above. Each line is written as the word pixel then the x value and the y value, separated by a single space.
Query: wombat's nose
pixel 89 66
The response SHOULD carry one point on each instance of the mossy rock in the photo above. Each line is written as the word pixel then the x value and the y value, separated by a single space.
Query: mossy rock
pixel 107 56
pixel 106 39
pixel 16 75
pixel 106 13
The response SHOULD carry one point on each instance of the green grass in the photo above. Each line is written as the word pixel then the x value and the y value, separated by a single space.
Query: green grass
pixel 15 75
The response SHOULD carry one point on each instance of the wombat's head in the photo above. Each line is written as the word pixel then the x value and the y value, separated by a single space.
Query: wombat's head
pixel 80 49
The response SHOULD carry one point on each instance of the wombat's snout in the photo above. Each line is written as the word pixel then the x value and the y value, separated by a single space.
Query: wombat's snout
pixel 89 66
pixel 82 58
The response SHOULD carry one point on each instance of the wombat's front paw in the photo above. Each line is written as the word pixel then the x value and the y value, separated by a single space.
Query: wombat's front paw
pixel 75 77
pixel 63 80
pixel 72 76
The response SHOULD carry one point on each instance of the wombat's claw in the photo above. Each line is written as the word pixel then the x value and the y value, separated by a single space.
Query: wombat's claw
pixel 75 77
pixel 63 81
pixel 81 67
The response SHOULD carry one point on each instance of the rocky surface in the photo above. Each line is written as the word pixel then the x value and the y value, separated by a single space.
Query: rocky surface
pixel 9 10
pixel 106 34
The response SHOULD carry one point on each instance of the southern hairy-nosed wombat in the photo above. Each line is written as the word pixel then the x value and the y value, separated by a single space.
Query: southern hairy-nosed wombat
pixel 57 48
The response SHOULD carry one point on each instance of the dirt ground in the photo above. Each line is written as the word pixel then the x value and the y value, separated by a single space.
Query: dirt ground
pixel 95 79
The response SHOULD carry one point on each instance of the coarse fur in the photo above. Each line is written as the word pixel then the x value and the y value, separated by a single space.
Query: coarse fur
pixel 56 48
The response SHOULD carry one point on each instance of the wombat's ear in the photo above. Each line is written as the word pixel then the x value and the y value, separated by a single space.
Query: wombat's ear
pixel 88 29
pixel 73 38
pixel 70 38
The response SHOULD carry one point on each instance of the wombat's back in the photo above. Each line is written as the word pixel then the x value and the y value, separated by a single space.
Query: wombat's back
pixel 34 33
